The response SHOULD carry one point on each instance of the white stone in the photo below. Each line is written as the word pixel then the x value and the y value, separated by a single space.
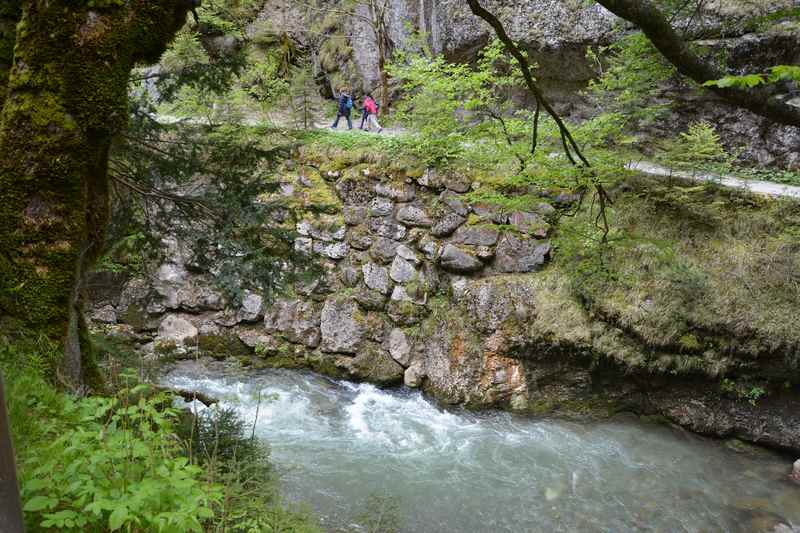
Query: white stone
pixel 408 254
pixel 402 271
pixel 250 311
pixel 414 375
pixel 399 347
pixel 177 329
pixel 399 294
pixel 376 278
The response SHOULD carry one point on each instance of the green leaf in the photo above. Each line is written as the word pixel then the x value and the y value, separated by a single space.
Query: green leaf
pixel 37 503
pixel 117 518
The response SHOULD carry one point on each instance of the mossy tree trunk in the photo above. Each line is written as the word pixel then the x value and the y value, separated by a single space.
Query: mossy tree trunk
pixel 66 99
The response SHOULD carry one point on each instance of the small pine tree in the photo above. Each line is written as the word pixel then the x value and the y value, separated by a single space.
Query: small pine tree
pixel 303 97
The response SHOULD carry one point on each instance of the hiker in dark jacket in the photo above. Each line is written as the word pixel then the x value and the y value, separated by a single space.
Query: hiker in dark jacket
pixel 345 107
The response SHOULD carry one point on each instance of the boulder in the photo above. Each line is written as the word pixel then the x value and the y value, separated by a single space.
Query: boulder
pixel 381 207
pixel 454 202
pixel 328 228
pixel 399 294
pixel 530 223
pixel 342 324
pixel 414 375
pixel 455 183
pixel 490 213
pixel 476 235
pixel 447 225
pixel 303 245
pixel 354 191
pixel 374 365
pixel 414 216
pixel 795 474
pixel 106 315
pixel 354 214
pixel 454 259
pixel 331 250
pixel 399 192
pixel 376 278
pixel 399 346
pixel 250 310
pixel 383 250
pixel 429 247
pixel 369 299
pixel 387 227
pixel 402 271
pixel 255 338
pixel 350 275
pixel 177 329
pixel 519 254
pixel 359 238
pixel 408 254
pixel 295 320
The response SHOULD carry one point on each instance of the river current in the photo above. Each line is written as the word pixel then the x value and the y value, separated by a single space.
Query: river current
pixel 343 447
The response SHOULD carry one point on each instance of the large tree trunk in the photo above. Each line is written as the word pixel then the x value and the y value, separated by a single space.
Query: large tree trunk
pixel 66 99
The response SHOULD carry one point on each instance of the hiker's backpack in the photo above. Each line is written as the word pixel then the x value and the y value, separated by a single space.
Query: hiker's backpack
pixel 349 103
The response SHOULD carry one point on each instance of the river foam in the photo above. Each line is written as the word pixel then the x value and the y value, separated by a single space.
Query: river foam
pixel 338 444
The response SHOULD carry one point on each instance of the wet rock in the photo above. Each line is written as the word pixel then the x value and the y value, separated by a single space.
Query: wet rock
pixel 374 365
pixel 106 315
pixel 454 202
pixel 795 474
pixel 354 214
pixel 412 215
pixel 530 223
pixel 399 192
pixel 376 278
pixel 177 329
pixel 342 325
pixel 332 250
pixel 447 225
pixel 402 271
pixel 399 346
pixel 250 310
pixel 387 227
pixel 414 375
pixel 519 254
pixel 383 250
pixel 381 207
pixel 476 235
pixel 454 259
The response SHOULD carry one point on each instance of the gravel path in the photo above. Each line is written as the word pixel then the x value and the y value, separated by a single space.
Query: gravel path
pixel 766 188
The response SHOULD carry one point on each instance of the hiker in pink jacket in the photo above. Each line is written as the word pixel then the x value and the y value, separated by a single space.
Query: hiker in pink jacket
pixel 370 113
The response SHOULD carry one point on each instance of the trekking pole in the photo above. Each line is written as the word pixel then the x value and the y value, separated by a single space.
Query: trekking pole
pixel 10 506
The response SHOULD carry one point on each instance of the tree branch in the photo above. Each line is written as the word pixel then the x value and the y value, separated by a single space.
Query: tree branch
pixel 650 19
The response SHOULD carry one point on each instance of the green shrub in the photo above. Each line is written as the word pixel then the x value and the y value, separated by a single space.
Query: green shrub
pixel 109 465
